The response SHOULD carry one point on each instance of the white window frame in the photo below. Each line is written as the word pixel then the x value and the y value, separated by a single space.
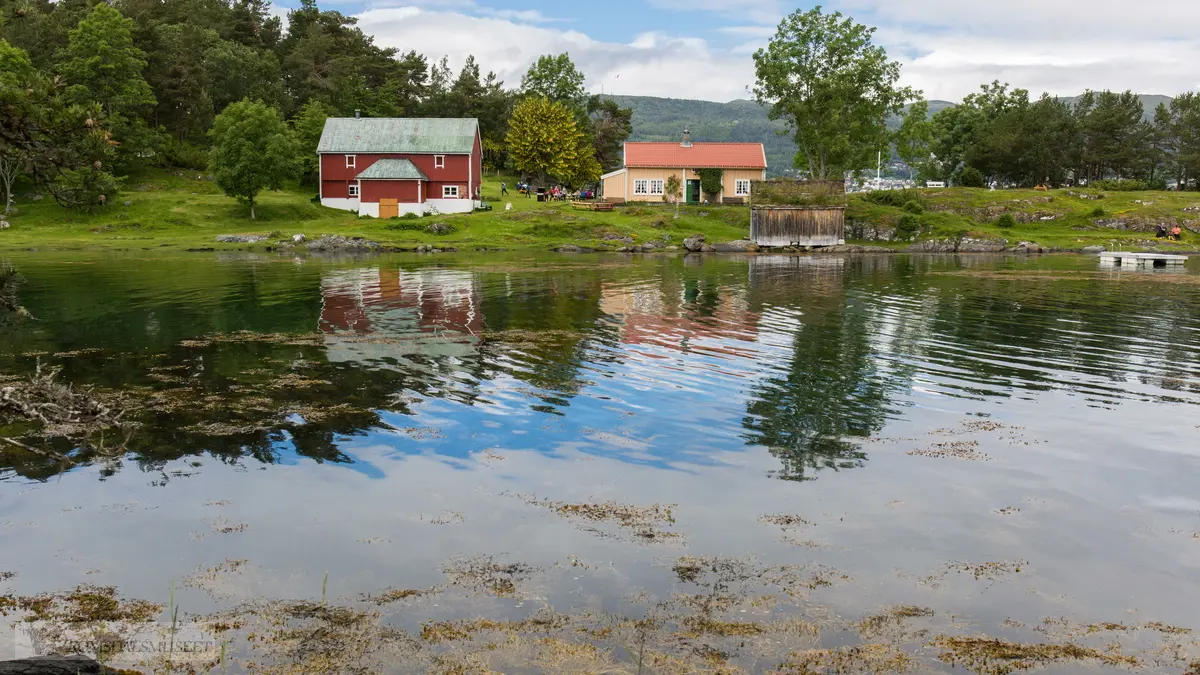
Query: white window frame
pixel 351 161
pixel 450 192
pixel 439 161
pixel 641 186
pixel 658 187
pixel 741 188
pixel 353 190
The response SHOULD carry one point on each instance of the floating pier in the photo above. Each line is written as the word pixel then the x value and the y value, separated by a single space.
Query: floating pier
pixel 1122 259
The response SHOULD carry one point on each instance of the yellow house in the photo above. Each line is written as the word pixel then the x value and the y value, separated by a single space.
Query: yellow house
pixel 649 165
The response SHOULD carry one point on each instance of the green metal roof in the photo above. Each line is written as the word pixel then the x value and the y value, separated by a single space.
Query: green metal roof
pixel 393 169
pixel 396 134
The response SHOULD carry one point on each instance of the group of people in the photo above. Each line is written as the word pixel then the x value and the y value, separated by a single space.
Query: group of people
pixel 556 193
pixel 1175 233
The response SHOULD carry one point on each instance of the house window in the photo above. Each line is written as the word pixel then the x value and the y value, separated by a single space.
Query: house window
pixel 641 187
pixel 350 161
pixel 439 161
pixel 742 188
pixel 449 192
pixel 354 189
pixel 656 187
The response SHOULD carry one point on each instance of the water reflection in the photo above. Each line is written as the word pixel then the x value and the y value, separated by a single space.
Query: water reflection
pixel 668 362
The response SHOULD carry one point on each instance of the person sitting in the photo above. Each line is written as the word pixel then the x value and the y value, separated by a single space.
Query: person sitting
pixel 1176 233
pixel 1160 232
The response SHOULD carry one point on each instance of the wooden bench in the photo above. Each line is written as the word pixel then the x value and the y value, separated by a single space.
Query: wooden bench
pixel 593 206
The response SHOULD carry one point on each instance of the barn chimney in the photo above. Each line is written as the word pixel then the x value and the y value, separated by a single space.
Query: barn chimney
pixel 687 139
pixel 357 113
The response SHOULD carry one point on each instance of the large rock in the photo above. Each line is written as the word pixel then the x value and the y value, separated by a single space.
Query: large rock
pixel 298 238
pixel 694 243
pixel 439 228
pixel 240 238
pixel 738 246
pixel 933 246
pixel 980 246
pixel 338 243
pixel 4 225
pixel 1093 250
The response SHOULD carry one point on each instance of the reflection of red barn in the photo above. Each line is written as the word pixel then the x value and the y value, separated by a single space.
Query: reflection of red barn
pixel 650 318
pixel 400 312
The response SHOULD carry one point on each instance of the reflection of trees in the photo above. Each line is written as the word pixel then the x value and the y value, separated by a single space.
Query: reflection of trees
pixel 830 393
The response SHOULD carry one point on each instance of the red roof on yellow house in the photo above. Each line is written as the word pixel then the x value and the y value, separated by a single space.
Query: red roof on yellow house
pixel 696 155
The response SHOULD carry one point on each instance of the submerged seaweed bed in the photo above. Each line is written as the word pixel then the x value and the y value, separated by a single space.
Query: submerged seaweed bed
pixel 603 470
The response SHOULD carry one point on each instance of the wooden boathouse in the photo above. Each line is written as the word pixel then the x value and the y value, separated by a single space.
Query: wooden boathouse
pixel 798 213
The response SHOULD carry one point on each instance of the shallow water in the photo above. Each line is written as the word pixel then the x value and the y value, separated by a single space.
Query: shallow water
pixel 370 424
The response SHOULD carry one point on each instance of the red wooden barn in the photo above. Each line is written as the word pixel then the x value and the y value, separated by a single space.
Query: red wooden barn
pixel 386 167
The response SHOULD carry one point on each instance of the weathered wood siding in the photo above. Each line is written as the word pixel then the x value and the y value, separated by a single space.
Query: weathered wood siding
pixel 798 225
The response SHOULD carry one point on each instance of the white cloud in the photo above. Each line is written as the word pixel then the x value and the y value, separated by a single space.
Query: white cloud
pixel 652 64
pixel 947 47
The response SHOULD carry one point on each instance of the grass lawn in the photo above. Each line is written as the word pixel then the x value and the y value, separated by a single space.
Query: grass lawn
pixel 181 209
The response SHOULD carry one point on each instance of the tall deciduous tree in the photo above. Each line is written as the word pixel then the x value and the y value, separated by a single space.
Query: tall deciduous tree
pixel 555 78
pixel 822 74
pixel 914 138
pixel 543 139
pixel 611 125
pixel 253 150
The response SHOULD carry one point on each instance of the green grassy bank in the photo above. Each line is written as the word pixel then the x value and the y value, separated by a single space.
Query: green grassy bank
pixel 182 209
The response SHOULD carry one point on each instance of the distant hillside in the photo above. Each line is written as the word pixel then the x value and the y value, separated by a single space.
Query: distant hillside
pixel 664 119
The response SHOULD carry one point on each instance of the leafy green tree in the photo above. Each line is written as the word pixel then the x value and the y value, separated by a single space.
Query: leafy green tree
pixel 914 138
pixel 835 89
pixel 239 72
pixel 555 78
pixel 253 150
pixel 1177 129
pixel 610 125
pixel 102 64
pixel 712 181
pixel 543 139
pixel 307 127
pixel 12 163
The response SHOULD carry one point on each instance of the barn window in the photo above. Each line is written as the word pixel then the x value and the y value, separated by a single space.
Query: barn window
pixel 353 189
pixel 656 187
pixel 350 161
pixel 742 188
pixel 450 192
pixel 439 161
pixel 641 187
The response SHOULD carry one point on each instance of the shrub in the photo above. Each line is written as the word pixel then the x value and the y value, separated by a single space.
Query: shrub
pixel 185 155
pixel 1097 212
pixel 908 226
pixel 1006 221
pixel 1119 185
pixel 410 216
pixel 896 198
pixel 970 177
pixel 913 207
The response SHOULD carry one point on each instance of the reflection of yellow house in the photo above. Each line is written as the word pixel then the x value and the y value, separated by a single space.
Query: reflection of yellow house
pixel 648 166
pixel 648 317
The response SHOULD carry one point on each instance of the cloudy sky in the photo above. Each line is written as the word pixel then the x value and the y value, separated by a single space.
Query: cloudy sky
pixel 701 48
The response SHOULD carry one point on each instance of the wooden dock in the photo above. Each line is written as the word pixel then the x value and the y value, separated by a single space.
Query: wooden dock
pixel 1123 259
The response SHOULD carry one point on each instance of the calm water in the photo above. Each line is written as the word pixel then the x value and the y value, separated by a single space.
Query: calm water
pixel 385 421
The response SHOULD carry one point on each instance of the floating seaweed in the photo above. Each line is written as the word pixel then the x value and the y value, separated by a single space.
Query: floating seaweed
pixel 642 522
pixel 992 656
pixel 953 450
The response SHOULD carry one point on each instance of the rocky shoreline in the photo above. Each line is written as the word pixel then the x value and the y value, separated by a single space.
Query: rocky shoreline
pixel 328 244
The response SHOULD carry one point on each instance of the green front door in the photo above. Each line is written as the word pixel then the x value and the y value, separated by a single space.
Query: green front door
pixel 693 192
